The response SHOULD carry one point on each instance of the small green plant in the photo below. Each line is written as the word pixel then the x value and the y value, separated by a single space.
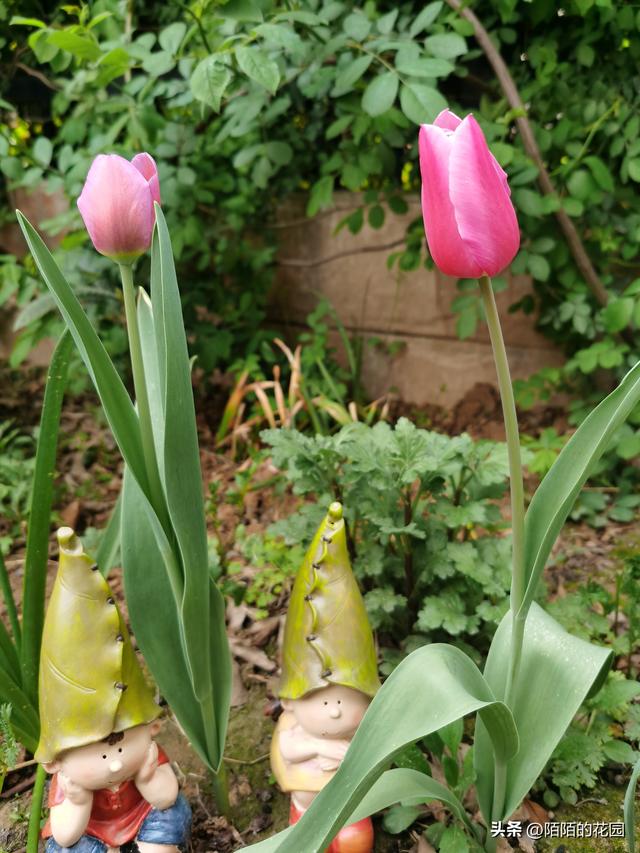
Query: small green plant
pixel 264 577
pixel 612 493
pixel 419 505
pixel 607 729
pixel 16 473
pixel 544 450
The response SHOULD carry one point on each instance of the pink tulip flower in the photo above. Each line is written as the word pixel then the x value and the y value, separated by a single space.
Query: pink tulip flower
pixel 469 219
pixel 116 204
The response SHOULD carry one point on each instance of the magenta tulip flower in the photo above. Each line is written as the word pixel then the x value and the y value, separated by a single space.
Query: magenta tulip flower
pixel 469 219
pixel 116 205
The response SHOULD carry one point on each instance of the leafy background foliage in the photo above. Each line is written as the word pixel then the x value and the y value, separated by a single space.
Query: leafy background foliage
pixel 245 102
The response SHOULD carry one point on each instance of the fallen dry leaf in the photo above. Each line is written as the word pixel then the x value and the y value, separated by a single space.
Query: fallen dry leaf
pixel 254 656
pixel 261 630
pixel 71 514
pixel 421 845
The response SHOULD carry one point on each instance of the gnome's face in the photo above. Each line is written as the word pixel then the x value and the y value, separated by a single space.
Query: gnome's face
pixel 331 712
pixel 103 765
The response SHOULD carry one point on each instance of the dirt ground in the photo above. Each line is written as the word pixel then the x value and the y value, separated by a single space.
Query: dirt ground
pixel 88 482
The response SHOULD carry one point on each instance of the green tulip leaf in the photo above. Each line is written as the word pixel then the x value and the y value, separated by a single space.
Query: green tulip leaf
pixel 431 688
pixel 108 551
pixel 169 383
pixel 557 671
pixel 149 565
pixel 150 361
pixel 411 788
pixel 558 491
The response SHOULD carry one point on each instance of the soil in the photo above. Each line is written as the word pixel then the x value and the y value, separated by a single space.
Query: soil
pixel 88 482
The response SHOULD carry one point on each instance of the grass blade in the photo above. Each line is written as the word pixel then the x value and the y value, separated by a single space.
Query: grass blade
pixel 10 603
pixel 25 721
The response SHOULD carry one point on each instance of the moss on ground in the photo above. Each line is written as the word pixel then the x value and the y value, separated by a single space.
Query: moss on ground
pixel 603 805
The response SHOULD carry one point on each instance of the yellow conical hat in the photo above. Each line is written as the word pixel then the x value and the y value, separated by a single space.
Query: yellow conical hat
pixel 327 636
pixel 90 681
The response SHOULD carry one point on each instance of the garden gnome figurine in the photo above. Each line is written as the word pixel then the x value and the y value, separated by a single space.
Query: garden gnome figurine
pixel 329 676
pixel 112 784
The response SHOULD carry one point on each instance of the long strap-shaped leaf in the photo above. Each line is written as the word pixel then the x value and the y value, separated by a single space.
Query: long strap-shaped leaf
pixel 115 400
pixel 147 558
pixel 556 494
pixel 109 548
pixel 151 362
pixel 24 716
pixel 431 688
pixel 36 559
pixel 557 671
pixel 411 788
pixel 10 604
pixel 167 385
pixel 9 659
pixel 181 471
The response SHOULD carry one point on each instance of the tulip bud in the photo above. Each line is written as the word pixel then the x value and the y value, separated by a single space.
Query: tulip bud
pixel 469 219
pixel 116 205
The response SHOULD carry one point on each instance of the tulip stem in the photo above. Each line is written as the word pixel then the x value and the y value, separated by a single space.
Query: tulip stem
pixel 140 387
pixel 515 476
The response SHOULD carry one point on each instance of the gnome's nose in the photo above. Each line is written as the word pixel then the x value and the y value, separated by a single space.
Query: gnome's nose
pixel 335 713
pixel 115 766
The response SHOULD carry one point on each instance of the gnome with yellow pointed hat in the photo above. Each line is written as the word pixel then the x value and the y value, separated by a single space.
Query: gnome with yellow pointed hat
pixel 112 783
pixel 329 676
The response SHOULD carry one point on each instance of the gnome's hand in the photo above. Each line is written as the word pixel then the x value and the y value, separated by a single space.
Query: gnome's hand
pixel 73 792
pixel 331 753
pixel 146 773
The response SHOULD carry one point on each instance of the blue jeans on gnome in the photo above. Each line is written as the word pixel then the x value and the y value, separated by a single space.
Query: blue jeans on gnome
pixel 170 826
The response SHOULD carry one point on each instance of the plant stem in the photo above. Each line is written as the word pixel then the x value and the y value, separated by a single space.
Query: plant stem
pixel 36 810
pixel 515 476
pixel 221 790
pixel 140 386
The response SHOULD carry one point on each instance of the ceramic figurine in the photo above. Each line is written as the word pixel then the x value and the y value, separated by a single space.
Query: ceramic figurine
pixel 112 783
pixel 329 676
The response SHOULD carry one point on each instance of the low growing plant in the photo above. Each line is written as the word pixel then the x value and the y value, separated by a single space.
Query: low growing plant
pixel 422 510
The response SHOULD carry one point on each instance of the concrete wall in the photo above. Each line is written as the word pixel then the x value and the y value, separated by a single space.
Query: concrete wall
pixel 410 309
